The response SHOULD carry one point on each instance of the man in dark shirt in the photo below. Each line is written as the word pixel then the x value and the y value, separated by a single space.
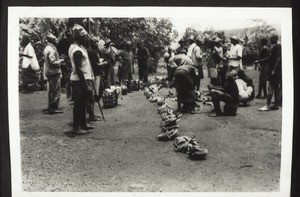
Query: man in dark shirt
pixel 229 94
pixel 274 75
pixel 143 57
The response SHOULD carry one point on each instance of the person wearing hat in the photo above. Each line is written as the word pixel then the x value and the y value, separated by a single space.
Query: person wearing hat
pixel 168 54
pixel 196 57
pixel 52 70
pixel 222 69
pixel 192 41
pixel 262 62
pixel 110 57
pixel 127 57
pixel 229 94
pixel 81 76
pixel 274 76
pixel 215 60
pixel 235 54
pixel 181 43
pixel 143 59
pixel 30 64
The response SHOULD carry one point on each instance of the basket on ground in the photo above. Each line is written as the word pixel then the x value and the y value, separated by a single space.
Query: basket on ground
pixel 110 99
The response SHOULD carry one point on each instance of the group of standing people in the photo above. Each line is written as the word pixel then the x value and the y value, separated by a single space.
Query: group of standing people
pixel 270 79
pixel 229 83
pixel 90 69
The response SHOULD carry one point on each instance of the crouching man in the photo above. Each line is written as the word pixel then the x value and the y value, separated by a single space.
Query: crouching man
pixel 229 94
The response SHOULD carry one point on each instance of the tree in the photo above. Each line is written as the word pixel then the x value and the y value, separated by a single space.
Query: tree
pixel 252 40
pixel 156 33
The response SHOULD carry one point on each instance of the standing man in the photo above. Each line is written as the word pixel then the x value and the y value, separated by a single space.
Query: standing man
pixel 81 74
pixel 197 56
pixel 192 46
pixel 263 65
pixel 53 73
pixel 143 58
pixel 274 75
pixel 110 58
pixel 235 54
pixel 127 57
pixel 30 64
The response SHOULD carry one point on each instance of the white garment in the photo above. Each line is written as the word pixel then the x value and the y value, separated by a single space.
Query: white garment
pixel 86 66
pixel 30 61
pixel 190 50
pixel 235 51
pixel 244 90
pixel 197 55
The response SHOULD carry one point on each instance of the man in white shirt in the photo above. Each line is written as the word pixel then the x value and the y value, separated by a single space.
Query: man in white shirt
pixel 30 64
pixel 196 57
pixel 235 54
pixel 192 46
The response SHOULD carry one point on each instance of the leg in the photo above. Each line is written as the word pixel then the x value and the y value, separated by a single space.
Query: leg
pixel 146 74
pixel 76 110
pixel 178 106
pixel 270 93
pixel 259 90
pixel 140 72
pixel 216 102
pixel 56 91
pixel 264 87
pixel 111 74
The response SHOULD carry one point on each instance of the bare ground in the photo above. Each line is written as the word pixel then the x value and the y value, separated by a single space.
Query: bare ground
pixel 123 154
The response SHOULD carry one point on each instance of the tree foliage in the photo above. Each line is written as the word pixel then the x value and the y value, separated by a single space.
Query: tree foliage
pixel 156 33
pixel 252 39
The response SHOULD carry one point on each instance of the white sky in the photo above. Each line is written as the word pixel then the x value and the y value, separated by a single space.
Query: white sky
pixel 217 24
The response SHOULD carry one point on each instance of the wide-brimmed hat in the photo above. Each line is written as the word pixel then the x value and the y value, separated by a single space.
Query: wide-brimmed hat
pixel 183 50
pixel 199 39
pixel 218 40
pixel 79 31
pixel 181 41
pixel 128 43
pixel 232 74
pixel 192 37
pixel 107 41
pixel 50 37
pixel 235 38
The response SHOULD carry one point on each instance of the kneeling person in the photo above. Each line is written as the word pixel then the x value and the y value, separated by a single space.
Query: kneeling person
pixel 229 94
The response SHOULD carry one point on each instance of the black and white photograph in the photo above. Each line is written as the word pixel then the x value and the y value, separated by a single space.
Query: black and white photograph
pixel 150 100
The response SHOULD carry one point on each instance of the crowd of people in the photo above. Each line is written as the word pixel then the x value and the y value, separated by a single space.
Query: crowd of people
pixel 88 68
pixel 228 81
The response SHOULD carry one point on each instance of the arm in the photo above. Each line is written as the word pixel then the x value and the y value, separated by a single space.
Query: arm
pixel 55 63
pixel 278 61
pixel 77 60
pixel 212 87
pixel 261 60
pixel 199 54
pixel 24 55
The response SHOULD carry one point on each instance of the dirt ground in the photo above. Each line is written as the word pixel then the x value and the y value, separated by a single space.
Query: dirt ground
pixel 123 154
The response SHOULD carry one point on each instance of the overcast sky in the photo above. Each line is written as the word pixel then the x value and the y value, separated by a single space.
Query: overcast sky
pixel 217 24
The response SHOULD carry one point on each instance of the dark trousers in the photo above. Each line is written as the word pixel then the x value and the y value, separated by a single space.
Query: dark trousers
pixel 143 72
pixel 217 96
pixel 274 88
pixel 54 91
pixel 80 100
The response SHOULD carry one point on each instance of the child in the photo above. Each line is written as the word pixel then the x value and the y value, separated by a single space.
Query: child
pixel 119 69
